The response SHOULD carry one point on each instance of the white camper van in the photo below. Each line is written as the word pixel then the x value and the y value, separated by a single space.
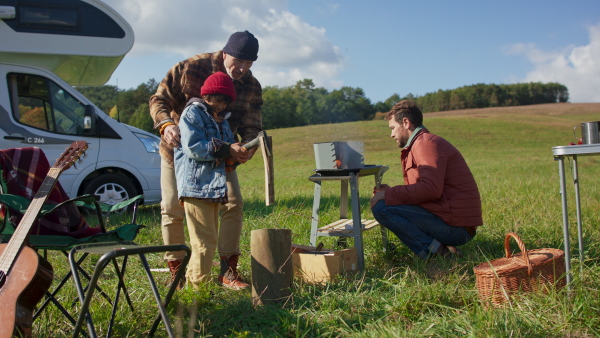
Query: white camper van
pixel 48 46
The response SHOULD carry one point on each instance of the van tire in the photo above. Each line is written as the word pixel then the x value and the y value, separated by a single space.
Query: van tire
pixel 111 188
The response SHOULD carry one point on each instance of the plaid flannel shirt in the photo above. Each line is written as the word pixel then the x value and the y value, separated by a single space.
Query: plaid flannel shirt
pixel 184 80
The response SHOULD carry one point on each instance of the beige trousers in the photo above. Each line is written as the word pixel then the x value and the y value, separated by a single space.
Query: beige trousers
pixel 173 214
pixel 203 227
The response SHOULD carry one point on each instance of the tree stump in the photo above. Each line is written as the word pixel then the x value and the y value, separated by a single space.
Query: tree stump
pixel 271 265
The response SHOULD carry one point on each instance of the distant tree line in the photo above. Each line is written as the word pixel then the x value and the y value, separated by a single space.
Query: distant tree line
pixel 491 95
pixel 305 104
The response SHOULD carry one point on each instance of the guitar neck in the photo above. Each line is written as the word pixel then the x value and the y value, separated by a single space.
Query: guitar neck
pixel 18 238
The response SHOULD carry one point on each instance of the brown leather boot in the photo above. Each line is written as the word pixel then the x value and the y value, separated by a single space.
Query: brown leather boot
pixel 174 268
pixel 442 252
pixel 454 250
pixel 229 276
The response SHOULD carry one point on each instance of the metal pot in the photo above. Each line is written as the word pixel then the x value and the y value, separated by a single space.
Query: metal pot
pixel 590 132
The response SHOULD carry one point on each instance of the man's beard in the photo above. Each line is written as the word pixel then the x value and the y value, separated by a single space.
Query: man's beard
pixel 402 143
pixel 233 75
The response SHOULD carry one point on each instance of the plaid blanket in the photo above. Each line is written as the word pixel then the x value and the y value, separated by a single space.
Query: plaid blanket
pixel 23 171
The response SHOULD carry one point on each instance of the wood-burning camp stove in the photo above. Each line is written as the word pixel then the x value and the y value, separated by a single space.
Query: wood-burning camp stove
pixel 344 162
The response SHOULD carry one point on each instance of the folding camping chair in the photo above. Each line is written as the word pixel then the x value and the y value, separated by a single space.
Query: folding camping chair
pixel 109 252
pixel 72 236
pixel 110 245
pixel 60 226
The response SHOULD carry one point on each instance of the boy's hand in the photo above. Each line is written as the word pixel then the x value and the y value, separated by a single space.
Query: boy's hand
pixel 239 153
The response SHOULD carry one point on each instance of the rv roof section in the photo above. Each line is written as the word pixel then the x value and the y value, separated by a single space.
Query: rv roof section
pixel 82 41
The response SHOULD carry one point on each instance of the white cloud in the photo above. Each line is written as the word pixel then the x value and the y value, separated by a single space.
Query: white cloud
pixel 290 49
pixel 577 67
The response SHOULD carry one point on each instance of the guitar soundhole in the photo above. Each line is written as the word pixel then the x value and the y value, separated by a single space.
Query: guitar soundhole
pixel 2 279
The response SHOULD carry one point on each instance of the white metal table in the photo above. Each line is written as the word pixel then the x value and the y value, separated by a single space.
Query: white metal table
pixel 560 154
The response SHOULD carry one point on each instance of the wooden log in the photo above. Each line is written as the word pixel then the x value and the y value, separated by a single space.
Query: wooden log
pixel 271 265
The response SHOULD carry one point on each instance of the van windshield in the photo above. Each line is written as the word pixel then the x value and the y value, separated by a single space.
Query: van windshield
pixel 41 103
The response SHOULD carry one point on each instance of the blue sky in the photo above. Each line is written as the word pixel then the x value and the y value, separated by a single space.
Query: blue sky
pixel 383 47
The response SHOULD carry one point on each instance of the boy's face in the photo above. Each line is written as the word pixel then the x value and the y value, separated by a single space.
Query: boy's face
pixel 216 105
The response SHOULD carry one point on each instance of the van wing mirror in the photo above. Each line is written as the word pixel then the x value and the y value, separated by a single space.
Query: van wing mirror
pixel 89 118
pixel 87 122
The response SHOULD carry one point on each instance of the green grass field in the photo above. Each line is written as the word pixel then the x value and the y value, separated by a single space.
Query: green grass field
pixel 509 151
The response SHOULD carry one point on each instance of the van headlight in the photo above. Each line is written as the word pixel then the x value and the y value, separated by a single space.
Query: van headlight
pixel 150 142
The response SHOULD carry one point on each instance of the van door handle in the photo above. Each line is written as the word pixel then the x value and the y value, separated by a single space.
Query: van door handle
pixel 17 138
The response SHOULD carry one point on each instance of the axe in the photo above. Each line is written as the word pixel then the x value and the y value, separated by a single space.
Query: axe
pixel 265 143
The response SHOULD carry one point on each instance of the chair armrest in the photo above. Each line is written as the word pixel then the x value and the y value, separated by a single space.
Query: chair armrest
pixel 83 200
pixel 15 202
pixel 112 207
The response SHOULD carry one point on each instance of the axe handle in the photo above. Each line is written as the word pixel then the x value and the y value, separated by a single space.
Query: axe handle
pixel 269 173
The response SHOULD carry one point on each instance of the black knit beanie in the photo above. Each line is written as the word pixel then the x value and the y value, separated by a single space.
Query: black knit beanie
pixel 242 45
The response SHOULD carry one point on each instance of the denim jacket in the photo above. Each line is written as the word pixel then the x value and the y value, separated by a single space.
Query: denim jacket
pixel 196 170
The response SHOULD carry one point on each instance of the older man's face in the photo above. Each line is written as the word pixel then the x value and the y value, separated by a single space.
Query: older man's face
pixel 236 68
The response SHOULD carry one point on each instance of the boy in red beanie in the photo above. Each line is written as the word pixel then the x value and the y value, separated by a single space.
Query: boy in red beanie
pixel 206 141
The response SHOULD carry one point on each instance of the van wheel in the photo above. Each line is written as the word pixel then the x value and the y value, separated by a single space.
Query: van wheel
pixel 110 189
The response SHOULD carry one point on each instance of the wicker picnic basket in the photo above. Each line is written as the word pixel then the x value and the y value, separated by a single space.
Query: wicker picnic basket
pixel 532 270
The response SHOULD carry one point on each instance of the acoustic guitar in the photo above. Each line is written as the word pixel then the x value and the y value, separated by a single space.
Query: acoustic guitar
pixel 24 275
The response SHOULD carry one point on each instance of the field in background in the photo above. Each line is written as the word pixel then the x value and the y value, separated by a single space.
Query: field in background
pixel 509 151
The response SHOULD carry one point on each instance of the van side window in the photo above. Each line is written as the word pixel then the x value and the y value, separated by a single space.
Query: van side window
pixel 43 104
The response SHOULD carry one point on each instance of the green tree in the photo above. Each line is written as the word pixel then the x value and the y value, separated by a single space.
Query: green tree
pixel 385 106
pixel 130 100
pixel 141 119
pixel 104 97
pixel 279 108
pixel 307 98
pixel 350 104
pixel 114 113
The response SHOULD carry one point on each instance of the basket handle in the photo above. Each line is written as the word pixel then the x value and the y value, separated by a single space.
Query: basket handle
pixel 521 246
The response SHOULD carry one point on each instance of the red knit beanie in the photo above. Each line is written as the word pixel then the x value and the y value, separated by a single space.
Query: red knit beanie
pixel 218 83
